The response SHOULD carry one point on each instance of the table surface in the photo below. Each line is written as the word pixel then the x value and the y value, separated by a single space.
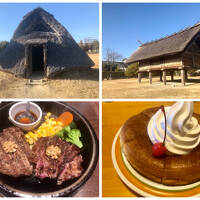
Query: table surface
pixel 90 110
pixel 114 115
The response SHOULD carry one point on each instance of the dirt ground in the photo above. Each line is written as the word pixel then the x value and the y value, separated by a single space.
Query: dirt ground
pixel 82 84
pixel 130 88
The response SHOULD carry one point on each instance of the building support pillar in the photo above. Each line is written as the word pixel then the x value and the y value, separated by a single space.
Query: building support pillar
pixel 27 62
pixel 139 77
pixel 150 77
pixel 172 75
pixel 45 58
pixel 164 77
pixel 183 77
pixel 186 75
pixel 161 78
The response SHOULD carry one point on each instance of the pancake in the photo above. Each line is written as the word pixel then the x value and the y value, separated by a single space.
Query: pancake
pixel 169 169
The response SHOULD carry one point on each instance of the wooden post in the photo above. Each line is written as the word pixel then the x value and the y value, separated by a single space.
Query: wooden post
pixel 45 59
pixel 150 77
pixel 161 77
pixel 45 54
pixel 172 75
pixel 139 77
pixel 164 77
pixel 183 77
pixel 27 62
pixel 26 55
pixel 186 75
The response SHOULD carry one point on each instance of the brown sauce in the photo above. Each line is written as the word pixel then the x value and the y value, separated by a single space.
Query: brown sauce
pixel 23 118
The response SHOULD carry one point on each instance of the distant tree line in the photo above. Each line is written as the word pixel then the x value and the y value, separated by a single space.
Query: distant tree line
pixel 111 58
pixel 3 45
pixel 89 45
pixel 112 61
pixel 114 67
pixel 108 67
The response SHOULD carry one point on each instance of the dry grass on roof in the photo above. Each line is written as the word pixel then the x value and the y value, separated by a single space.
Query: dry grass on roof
pixel 39 26
pixel 172 44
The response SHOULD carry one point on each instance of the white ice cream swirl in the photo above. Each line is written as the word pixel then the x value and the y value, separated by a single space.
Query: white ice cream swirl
pixel 183 130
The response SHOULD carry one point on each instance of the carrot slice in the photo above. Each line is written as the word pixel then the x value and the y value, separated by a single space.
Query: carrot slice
pixel 66 118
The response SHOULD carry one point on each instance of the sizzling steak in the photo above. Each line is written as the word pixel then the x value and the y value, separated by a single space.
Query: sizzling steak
pixel 55 158
pixel 50 157
pixel 15 153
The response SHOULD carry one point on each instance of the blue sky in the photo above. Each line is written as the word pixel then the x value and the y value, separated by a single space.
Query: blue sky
pixel 125 23
pixel 80 19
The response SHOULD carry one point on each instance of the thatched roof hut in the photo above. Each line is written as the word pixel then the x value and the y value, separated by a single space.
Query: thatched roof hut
pixel 179 51
pixel 41 43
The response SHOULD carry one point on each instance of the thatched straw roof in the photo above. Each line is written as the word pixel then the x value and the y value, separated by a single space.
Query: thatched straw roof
pixel 38 26
pixel 175 43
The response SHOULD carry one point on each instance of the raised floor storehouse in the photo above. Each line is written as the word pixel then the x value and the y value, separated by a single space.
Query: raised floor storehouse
pixel 179 51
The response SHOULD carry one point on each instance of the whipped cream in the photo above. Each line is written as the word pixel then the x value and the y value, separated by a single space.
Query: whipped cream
pixel 183 130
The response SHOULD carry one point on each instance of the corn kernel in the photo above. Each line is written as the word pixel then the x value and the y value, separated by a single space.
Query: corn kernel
pixel 48 128
pixel 59 123
pixel 53 122
pixel 27 136
pixel 31 141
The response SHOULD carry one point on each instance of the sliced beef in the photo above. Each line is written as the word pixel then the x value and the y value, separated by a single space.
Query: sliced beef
pixel 15 153
pixel 71 170
pixel 66 166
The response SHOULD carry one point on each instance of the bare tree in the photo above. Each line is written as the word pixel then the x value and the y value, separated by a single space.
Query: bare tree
pixel 95 46
pixel 81 44
pixel 111 57
pixel 89 44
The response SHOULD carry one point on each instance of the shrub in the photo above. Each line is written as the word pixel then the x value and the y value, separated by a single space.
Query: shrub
pixel 112 75
pixel 118 69
pixel 108 67
pixel 132 70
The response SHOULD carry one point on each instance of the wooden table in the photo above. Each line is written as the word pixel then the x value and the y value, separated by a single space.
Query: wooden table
pixel 91 112
pixel 114 115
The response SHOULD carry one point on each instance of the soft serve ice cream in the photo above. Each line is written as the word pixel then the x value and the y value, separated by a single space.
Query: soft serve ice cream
pixel 183 130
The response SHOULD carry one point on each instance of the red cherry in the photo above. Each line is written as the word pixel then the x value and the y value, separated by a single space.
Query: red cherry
pixel 158 149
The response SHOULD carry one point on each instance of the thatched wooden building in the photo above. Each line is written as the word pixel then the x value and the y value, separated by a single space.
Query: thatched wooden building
pixel 179 51
pixel 41 43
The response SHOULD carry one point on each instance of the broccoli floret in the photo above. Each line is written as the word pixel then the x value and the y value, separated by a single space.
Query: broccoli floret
pixel 70 135
pixel 73 125
pixel 73 137
pixel 61 134
pixel 67 129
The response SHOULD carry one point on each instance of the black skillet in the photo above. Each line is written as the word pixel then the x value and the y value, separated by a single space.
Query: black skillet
pixel 32 187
